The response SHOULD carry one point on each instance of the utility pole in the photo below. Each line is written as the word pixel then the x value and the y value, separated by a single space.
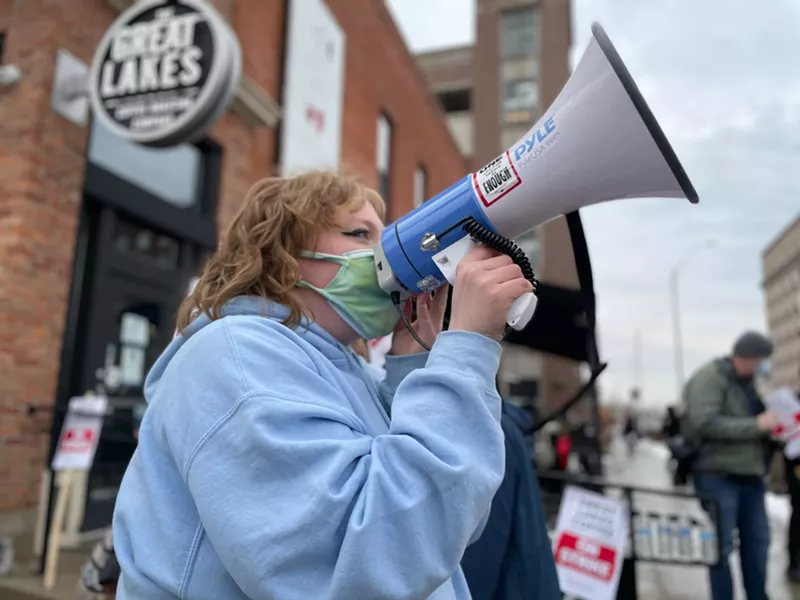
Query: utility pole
pixel 637 361
pixel 677 337
pixel 677 334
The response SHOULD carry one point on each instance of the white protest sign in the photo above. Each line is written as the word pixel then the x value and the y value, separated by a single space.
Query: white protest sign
pixel 786 406
pixel 589 544
pixel 80 433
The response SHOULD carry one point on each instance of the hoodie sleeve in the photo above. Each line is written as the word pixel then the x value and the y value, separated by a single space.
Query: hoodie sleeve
pixel 396 369
pixel 298 501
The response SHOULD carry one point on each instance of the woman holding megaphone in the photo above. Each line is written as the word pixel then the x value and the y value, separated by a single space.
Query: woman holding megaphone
pixel 271 463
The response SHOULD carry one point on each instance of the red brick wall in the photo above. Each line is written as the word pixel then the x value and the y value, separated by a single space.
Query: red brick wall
pixel 380 74
pixel 41 178
pixel 42 166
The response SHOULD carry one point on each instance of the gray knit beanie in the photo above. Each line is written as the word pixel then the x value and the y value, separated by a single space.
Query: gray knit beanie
pixel 752 345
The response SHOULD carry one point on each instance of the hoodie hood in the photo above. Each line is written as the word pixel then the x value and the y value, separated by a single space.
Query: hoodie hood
pixel 312 333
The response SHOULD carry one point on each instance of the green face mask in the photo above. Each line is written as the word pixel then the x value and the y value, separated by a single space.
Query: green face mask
pixel 355 294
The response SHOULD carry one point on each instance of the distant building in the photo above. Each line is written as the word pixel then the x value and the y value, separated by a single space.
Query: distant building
pixel 780 266
pixel 492 93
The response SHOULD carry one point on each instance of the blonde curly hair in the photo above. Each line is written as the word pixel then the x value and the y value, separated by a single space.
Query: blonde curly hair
pixel 257 255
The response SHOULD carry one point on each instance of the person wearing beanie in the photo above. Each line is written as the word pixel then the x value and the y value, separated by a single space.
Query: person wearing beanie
pixel 731 433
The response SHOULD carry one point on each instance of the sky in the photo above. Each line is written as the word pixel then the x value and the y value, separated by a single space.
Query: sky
pixel 723 79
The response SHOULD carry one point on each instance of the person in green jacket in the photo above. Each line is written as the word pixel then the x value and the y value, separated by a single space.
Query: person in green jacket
pixel 731 427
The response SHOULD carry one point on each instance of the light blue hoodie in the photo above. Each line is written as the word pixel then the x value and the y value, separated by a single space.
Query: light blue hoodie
pixel 268 467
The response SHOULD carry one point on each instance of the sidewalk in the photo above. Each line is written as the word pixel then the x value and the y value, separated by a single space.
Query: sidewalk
pixel 25 584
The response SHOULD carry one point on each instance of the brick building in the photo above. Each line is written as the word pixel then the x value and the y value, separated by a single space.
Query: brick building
pixel 781 280
pixel 492 93
pixel 93 228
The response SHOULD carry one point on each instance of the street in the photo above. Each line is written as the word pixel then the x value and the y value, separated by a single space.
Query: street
pixel 648 468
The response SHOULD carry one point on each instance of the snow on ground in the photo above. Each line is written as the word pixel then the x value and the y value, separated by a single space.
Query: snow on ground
pixel 779 509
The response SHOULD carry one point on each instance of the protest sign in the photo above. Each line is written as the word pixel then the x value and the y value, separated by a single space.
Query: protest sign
pixel 590 539
pixel 786 406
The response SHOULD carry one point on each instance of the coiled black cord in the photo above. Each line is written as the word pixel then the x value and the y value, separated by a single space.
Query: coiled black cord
pixel 495 241
pixel 502 244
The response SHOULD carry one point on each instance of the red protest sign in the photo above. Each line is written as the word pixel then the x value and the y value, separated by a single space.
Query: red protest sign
pixel 586 556
pixel 77 440
pixel 80 433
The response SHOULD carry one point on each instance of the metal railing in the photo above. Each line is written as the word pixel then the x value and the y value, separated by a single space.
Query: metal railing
pixel 656 536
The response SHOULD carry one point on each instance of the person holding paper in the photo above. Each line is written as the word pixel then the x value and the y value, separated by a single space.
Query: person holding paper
pixel 731 428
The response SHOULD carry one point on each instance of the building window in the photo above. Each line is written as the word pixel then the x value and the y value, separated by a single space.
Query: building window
pixel 420 186
pixel 519 81
pixel 455 100
pixel 142 243
pixel 520 100
pixel 172 174
pixel 519 33
pixel 384 159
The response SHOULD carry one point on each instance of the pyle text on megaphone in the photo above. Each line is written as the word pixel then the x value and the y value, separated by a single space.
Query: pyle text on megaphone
pixel 598 141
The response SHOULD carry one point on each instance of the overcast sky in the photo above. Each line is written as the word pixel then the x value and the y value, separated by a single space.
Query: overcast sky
pixel 723 79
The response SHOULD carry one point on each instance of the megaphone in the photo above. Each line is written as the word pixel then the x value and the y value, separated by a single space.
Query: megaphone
pixel 598 141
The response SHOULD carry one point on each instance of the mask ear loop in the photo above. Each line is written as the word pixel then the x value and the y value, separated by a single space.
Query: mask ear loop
pixel 396 301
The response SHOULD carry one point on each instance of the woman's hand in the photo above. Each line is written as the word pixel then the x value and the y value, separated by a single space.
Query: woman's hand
pixel 427 325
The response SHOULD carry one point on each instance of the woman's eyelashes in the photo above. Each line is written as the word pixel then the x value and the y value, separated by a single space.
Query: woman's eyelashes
pixel 363 234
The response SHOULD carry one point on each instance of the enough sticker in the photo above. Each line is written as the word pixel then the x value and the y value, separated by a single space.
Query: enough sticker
pixel 496 179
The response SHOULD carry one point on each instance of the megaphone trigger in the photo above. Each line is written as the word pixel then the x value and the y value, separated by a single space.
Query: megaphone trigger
pixel 523 308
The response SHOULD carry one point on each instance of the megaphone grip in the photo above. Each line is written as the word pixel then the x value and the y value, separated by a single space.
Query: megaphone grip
pixel 521 311
pixel 502 244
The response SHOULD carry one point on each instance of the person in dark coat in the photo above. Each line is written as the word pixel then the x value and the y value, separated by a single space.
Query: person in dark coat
pixel 672 423
pixel 513 558
pixel 793 480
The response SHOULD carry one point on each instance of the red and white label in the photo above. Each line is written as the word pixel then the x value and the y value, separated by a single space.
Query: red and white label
pixel 79 435
pixel 496 179
pixel 77 440
pixel 785 404
pixel 790 430
pixel 586 556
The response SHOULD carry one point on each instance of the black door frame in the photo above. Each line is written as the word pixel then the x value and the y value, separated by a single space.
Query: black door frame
pixel 104 188
pixel 103 283
pixel 115 288
pixel 196 225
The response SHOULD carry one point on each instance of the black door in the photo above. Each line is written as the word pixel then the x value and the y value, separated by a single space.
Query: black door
pixel 138 279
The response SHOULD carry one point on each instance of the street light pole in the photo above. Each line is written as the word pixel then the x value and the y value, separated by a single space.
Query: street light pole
pixel 637 361
pixel 677 338
pixel 677 334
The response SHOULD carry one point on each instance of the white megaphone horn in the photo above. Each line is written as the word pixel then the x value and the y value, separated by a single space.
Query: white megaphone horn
pixel 598 141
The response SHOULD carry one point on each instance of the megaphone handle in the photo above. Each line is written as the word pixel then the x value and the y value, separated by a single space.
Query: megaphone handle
pixel 522 309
